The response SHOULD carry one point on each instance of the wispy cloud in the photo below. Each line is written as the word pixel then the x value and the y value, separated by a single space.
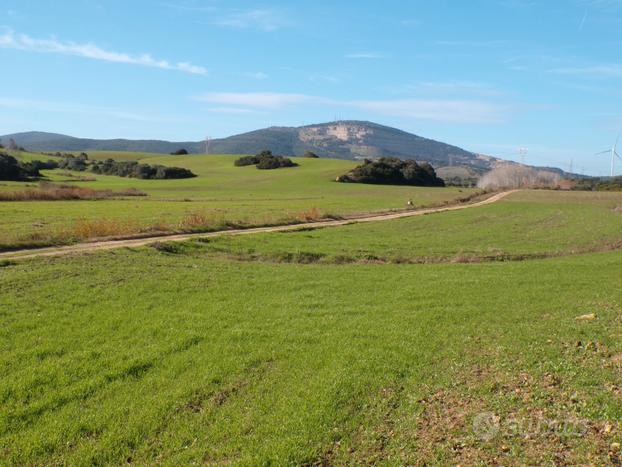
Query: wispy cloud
pixel 365 55
pixel 438 110
pixel 461 43
pixel 11 40
pixel 263 19
pixel 451 88
pixel 259 75
pixel 605 4
pixel 611 70
pixel 325 78
pixel 62 107
pixel 232 110
pixel 261 100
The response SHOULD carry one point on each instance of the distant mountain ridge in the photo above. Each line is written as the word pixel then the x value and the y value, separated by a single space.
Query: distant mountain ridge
pixel 342 140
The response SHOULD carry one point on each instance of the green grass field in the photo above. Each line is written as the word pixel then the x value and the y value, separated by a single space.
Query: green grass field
pixel 525 224
pixel 219 352
pixel 221 194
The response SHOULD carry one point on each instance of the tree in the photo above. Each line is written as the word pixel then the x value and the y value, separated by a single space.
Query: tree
pixel 12 169
pixel 310 155
pixel 179 152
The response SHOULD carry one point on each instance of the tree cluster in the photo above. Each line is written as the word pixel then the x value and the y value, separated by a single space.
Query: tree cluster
pixel 71 162
pixel 265 160
pixel 14 170
pixel 134 169
pixel 393 171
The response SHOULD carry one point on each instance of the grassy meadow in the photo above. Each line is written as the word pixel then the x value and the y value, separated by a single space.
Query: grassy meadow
pixel 220 195
pixel 326 346
pixel 527 224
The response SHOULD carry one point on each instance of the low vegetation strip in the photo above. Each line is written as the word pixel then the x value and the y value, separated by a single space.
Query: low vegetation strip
pixel 51 192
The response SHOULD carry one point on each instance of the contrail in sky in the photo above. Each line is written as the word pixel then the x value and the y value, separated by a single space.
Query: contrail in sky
pixel 583 20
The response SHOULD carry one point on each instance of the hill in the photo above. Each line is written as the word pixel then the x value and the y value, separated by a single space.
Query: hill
pixel 42 141
pixel 342 140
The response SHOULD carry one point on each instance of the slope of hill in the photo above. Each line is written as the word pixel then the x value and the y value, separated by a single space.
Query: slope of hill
pixel 41 141
pixel 342 140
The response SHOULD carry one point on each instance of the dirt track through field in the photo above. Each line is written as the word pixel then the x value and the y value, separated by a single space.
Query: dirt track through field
pixel 137 242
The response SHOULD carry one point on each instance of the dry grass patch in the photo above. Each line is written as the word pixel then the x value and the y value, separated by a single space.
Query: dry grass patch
pixel 85 229
pixel 51 192
pixel 312 214
pixel 202 221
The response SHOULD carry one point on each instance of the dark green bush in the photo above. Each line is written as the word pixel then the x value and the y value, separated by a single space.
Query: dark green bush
pixel 134 169
pixel 393 171
pixel 180 152
pixel 246 160
pixel 265 160
pixel 12 169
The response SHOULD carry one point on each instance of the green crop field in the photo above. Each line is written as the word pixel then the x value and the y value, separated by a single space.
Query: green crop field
pixel 221 194
pixel 326 346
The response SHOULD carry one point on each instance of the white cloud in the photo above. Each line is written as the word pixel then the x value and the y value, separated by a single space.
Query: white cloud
pixel 612 70
pixel 61 107
pixel 264 19
pixel 10 40
pixel 439 110
pixel 261 100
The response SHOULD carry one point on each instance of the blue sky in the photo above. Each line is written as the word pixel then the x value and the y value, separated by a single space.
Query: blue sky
pixel 491 76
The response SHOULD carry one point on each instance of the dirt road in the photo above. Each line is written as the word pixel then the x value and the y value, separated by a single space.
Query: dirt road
pixel 112 244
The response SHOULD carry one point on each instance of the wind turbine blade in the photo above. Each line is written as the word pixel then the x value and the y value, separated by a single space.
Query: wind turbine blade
pixel 608 151
pixel 617 140
pixel 618 156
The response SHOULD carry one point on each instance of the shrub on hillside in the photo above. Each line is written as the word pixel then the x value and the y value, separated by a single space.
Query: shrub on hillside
pixel 275 162
pixel 310 154
pixel 265 160
pixel 44 165
pixel 71 162
pixel 246 160
pixel 179 152
pixel 393 171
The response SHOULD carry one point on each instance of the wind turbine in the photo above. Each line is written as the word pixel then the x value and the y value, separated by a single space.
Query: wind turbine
pixel 613 153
